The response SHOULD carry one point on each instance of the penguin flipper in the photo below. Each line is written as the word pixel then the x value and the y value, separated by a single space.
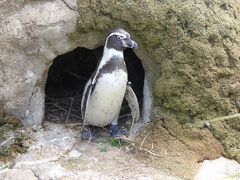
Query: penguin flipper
pixel 131 98
pixel 85 97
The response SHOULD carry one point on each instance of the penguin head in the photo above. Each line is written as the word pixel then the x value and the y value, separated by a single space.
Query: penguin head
pixel 119 39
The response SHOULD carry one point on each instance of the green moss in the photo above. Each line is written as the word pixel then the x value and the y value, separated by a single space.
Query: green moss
pixel 228 136
pixel 117 142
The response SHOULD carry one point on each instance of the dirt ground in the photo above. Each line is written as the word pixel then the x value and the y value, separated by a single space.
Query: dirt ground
pixel 181 149
pixel 163 150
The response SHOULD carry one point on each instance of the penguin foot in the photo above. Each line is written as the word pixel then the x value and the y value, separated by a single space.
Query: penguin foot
pixel 88 134
pixel 116 132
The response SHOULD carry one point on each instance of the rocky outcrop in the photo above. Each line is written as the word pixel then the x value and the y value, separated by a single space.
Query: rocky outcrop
pixel 32 34
pixel 191 54
pixel 194 46
pixel 190 51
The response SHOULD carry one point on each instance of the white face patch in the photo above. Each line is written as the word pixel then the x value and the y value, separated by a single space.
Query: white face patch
pixel 119 34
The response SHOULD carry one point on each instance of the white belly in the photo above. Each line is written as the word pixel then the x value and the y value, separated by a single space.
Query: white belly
pixel 105 102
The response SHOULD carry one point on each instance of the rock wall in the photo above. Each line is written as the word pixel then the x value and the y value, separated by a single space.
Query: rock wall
pixel 32 34
pixel 190 51
pixel 191 47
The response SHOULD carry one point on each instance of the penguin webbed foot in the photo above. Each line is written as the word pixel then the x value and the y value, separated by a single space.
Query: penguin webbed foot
pixel 88 134
pixel 115 131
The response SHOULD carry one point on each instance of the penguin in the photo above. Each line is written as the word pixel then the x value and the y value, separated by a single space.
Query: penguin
pixel 105 90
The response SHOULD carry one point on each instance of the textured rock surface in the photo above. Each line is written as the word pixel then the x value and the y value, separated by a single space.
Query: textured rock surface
pixel 195 45
pixel 32 34
pixel 220 168
pixel 20 174
pixel 190 50
pixel 56 152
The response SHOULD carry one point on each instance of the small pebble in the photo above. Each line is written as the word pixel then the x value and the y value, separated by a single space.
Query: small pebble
pixel 74 154
pixel 207 125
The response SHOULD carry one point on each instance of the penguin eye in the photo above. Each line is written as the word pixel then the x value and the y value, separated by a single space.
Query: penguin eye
pixel 119 37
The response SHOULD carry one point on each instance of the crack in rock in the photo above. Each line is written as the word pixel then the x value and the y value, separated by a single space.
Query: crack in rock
pixel 35 174
pixel 69 6
pixel 34 90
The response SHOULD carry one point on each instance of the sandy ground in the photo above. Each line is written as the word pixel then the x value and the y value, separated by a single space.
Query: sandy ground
pixel 163 150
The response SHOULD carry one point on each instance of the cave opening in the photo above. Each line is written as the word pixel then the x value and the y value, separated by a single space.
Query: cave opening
pixel 68 75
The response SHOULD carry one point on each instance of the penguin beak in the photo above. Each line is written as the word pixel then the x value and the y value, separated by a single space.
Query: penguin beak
pixel 129 43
